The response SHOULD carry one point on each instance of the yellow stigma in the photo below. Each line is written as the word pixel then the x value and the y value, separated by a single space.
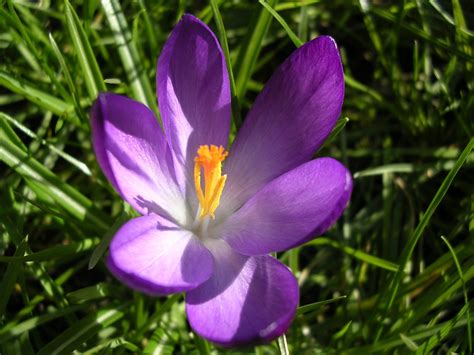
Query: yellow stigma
pixel 209 159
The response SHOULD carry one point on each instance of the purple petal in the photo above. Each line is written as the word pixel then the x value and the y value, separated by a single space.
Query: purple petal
pixel 290 119
pixel 133 153
pixel 153 255
pixel 248 299
pixel 290 210
pixel 193 91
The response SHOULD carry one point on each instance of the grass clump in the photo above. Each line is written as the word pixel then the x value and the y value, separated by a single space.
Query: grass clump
pixel 394 275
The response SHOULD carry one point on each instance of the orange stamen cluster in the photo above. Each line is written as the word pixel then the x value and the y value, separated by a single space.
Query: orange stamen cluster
pixel 209 160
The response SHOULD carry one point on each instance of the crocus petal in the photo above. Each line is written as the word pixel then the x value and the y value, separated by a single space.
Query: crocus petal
pixel 193 92
pixel 133 153
pixel 153 255
pixel 290 210
pixel 290 119
pixel 247 299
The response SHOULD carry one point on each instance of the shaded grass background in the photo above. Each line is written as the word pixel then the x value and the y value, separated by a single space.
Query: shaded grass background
pixel 394 275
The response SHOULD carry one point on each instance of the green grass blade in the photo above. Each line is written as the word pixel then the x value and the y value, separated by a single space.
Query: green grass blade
pixel 358 254
pixel 439 293
pixel 424 35
pixel 105 241
pixel 466 297
pixel 41 57
pixel 69 158
pixel 80 332
pixel 51 287
pixel 225 47
pixel 386 169
pixel 202 345
pixel 92 74
pixel 40 98
pixel 6 132
pixel 250 49
pixel 294 38
pixel 357 85
pixel 95 292
pixel 10 277
pixel 340 124
pixel 158 314
pixel 435 339
pixel 409 77
pixel 313 306
pixel 152 39
pixel 409 343
pixel 392 291
pixel 462 37
pixel 343 331
pixel 283 345
pixel 295 4
pixel 58 251
pixel 114 345
pixel 159 343
pixel 12 330
pixel 384 346
pixel 129 55
pixel 293 260
pixel 70 83
pixel 64 195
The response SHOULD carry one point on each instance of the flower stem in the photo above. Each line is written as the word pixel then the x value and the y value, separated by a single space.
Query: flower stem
pixel 283 345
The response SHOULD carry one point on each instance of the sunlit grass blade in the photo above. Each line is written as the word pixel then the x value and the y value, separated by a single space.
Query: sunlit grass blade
pixel 409 343
pixel 295 4
pixel 283 345
pixel 58 251
pixel 161 310
pixel 70 83
pixel 115 345
pixel 65 196
pixel 90 293
pixel 340 124
pixel 159 343
pixel 12 330
pixel 25 36
pixel 78 164
pixel 408 70
pixel 92 74
pixel 343 331
pixel 385 169
pixel 128 52
pixel 359 254
pixel 6 132
pixel 40 98
pixel 294 38
pixel 51 287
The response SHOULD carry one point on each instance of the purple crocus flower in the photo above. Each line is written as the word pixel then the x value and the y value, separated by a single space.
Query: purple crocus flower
pixel 207 233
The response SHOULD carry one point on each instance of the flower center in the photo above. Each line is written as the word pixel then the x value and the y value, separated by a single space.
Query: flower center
pixel 209 160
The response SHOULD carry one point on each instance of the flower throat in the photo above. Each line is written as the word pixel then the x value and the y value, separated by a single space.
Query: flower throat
pixel 209 160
